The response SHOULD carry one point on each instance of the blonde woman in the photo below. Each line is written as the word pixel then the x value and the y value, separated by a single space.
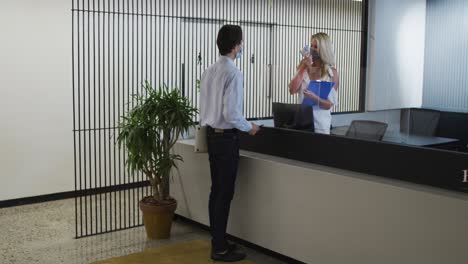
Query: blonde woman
pixel 319 65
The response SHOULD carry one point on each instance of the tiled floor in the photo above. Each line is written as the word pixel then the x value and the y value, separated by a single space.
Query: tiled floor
pixel 44 233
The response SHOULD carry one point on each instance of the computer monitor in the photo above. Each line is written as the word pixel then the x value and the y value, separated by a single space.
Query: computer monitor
pixel 293 116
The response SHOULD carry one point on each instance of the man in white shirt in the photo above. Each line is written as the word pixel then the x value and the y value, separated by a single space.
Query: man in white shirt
pixel 221 102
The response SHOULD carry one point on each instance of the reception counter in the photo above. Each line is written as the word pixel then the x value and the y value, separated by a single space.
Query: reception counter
pixel 320 214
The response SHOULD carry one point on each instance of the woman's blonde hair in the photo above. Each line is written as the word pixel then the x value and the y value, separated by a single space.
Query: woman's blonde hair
pixel 325 50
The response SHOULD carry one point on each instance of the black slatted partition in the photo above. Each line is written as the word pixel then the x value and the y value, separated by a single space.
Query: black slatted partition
pixel 118 44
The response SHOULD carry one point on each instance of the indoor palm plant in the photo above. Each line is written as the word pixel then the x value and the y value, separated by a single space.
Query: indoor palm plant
pixel 148 132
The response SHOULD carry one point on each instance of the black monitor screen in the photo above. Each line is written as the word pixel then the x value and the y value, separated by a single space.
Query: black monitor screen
pixel 293 116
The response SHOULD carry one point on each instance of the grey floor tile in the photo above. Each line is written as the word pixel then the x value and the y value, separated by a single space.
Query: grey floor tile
pixel 44 233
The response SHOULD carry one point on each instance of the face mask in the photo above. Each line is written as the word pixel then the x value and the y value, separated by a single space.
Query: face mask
pixel 315 55
pixel 239 54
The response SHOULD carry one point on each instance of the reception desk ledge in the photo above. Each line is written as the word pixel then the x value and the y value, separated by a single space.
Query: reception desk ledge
pixel 319 214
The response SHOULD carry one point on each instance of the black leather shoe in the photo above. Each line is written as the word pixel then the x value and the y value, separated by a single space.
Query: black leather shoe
pixel 232 246
pixel 228 256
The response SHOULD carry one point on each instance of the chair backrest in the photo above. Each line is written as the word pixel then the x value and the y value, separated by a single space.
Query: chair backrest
pixel 423 122
pixel 366 129
pixel 293 116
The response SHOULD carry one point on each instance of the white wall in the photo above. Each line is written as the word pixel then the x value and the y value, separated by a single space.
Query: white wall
pixel 396 54
pixel 446 64
pixel 36 139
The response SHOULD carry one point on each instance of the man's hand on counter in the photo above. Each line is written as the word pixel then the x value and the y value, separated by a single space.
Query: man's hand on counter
pixel 254 130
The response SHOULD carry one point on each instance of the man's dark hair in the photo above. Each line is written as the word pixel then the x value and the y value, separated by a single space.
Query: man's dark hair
pixel 228 37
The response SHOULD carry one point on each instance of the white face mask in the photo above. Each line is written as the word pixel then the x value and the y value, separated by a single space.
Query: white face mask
pixel 239 54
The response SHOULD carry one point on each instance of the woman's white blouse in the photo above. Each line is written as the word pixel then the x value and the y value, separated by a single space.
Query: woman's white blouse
pixel 322 117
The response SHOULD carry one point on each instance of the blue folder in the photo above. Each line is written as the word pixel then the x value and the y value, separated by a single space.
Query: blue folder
pixel 320 88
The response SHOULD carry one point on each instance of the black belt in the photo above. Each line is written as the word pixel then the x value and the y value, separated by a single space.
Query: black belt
pixel 221 131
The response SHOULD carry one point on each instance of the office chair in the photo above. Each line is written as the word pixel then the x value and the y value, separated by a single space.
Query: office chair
pixel 364 129
pixel 423 122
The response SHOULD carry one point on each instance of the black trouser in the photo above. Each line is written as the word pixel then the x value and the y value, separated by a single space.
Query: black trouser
pixel 223 152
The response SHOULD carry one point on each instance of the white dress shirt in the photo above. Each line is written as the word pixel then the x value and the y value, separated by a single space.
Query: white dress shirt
pixel 221 96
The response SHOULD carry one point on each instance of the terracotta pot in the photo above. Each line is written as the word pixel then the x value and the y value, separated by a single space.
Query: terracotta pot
pixel 157 217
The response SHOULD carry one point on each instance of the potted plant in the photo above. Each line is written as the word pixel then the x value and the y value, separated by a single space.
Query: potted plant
pixel 148 133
